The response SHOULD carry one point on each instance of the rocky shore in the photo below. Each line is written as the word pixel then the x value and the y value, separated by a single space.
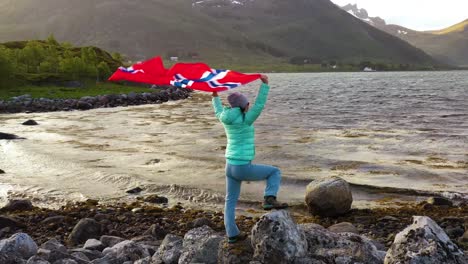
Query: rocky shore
pixel 146 232
pixel 26 103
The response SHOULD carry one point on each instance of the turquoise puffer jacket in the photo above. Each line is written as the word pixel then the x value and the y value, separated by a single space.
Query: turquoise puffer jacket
pixel 239 127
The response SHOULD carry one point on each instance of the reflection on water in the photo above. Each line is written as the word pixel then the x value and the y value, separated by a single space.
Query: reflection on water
pixel 399 130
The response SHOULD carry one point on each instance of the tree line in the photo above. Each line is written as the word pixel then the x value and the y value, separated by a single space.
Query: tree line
pixel 50 60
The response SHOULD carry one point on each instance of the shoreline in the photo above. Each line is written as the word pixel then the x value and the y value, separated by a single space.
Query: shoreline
pixel 137 220
pixel 27 104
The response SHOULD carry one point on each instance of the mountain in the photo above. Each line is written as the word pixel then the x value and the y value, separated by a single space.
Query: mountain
pixel 362 14
pixel 219 31
pixel 448 45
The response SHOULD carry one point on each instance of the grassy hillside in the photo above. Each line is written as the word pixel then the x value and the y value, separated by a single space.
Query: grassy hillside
pixel 254 33
pixel 315 28
pixel 457 28
pixel 449 45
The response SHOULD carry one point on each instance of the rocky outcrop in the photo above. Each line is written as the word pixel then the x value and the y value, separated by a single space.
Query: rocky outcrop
pixel 424 242
pixel 26 103
pixel 329 197
pixel 169 251
pixel 277 239
pixel 331 247
pixel 200 246
pixel 126 251
pixel 19 245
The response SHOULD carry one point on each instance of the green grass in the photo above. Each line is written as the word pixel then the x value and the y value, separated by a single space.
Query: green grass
pixel 56 92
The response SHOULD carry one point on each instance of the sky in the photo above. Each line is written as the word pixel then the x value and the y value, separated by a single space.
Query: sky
pixel 415 14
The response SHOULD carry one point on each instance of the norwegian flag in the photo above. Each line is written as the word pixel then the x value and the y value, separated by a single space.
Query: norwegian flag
pixel 151 72
pixel 195 76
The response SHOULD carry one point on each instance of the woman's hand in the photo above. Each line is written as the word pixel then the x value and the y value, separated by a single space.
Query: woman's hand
pixel 215 94
pixel 264 78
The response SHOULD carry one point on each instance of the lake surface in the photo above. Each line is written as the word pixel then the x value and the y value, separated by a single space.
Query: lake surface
pixel 402 131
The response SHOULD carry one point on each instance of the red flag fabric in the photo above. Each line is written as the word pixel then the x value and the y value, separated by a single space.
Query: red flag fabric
pixel 196 76
pixel 151 72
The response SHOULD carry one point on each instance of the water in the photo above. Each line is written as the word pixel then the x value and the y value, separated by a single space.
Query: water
pixel 396 130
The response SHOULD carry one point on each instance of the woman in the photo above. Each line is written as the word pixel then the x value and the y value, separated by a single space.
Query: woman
pixel 238 123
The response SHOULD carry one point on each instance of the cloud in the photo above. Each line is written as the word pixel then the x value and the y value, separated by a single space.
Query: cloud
pixel 415 14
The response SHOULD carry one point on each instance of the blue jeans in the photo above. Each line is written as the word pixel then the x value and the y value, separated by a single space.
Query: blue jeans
pixel 235 174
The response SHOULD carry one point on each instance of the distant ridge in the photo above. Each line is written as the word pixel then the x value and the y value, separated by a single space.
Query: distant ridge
pixel 449 45
pixel 216 31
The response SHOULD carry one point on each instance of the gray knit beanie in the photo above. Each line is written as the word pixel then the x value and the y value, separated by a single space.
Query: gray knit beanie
pixel 238 100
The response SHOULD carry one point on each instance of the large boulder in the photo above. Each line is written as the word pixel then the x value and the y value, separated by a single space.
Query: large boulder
pixel 169 251
pixel 277 239
pixel 85 229
pixel 329 197
pixel 424 242
pixel 345 248
pixel 20 244
pixel 127 250
pixel 200 245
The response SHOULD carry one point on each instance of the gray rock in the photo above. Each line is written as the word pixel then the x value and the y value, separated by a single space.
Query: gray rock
pixel 199 222
pixel 169 251
pixel 146 260
pixel 65 261
pixel 200 245
pixel 339 248
pixel 277 239
pixel 343 227
pixel 83 105
pixel 19 244
pixel 110 241
pixel 18 205
pixel 80 255
pixel 156 231
pixel 7 258
pixel 52 255
pixel 91 254
pixel 424 242
pixel 53 220
pixel 388 218
pixel 30 122
pixel 54 244
pixel 329 197
pixel 85 229
pixel 93 244
pixel 106 260
pixel 439 201
pixel 126 251
pixel 37 260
